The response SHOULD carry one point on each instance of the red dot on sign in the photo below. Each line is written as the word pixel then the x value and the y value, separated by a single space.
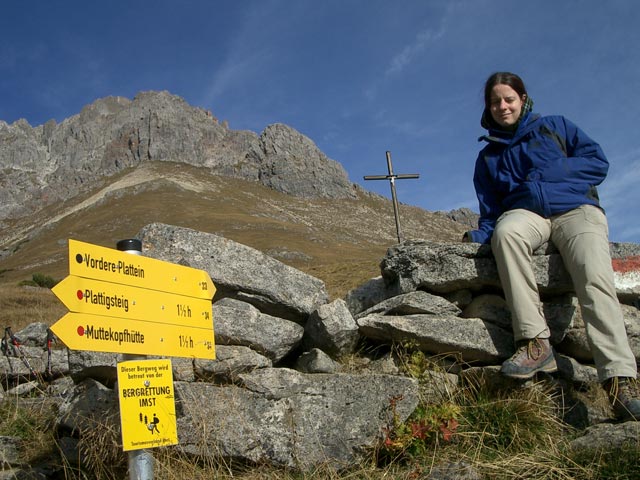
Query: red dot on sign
pixel 79 294
pixel 80 330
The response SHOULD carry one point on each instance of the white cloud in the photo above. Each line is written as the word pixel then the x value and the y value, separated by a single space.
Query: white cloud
pixel 230 73
pixel 240 58
pixel 423 39
pixel 624 177
pixel 411 53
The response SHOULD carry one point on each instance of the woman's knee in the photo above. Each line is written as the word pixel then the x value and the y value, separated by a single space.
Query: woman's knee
pixel 520 228
pixel 507 233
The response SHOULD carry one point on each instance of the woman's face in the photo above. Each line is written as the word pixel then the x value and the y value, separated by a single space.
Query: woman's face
pixel 506 105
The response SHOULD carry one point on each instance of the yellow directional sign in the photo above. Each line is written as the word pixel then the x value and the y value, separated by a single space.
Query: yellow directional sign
pixel 80 331
pixel 96 297
pixel 101 263
pixel 124 303
pixel 147 404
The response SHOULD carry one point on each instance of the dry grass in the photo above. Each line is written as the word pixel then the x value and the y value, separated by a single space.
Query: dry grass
pixel 22 306
pixel 31 422
pixel 500 434
pixel 339 241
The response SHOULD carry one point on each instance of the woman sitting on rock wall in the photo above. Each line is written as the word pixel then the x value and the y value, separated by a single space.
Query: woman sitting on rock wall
pixel 536 182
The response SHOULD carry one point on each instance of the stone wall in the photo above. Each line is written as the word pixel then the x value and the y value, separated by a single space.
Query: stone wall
pixel 292 384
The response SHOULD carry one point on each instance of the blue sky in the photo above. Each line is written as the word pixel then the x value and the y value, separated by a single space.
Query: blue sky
pixel 359 77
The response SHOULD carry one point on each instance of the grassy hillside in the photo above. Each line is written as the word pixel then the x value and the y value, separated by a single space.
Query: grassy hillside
pixel 338 241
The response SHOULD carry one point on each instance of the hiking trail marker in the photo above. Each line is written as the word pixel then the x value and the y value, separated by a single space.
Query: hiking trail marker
pixel 131 304
pixel 147 404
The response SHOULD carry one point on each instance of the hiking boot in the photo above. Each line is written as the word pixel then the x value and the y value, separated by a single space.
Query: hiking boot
pixel 624 393
pixel 532 356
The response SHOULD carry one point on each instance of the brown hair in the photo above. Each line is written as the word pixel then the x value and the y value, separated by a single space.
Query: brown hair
pixel 503 78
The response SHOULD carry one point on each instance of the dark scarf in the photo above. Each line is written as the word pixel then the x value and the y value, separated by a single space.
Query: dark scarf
pixel 490 124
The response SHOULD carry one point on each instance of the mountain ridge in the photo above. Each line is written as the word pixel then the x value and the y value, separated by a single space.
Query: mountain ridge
pixel 54 162
pixel 120 164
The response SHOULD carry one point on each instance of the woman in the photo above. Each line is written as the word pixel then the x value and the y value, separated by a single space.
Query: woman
pixel 536 182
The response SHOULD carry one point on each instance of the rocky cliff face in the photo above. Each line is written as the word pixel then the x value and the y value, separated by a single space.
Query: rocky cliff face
pixel 55 162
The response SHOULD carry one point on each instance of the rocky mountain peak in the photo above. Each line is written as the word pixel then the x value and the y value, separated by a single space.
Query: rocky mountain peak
pixel 55 162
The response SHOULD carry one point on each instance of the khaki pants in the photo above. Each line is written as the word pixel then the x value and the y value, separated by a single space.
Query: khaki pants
pixel 581 236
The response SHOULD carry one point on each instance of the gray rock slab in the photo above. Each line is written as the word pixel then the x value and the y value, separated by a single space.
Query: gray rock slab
pixel 413 303
pixel 90 405
pixel 607 437
pixel 230 361
pixel 33 359
pixel 316 361
pixel 33 335
pixel 447 267
pixel 238 270
pixel 572 370
pixel 366 295
pixel 474 339
pixel 332 329
pixel 239 323
pixel 283 417
pixel 98 365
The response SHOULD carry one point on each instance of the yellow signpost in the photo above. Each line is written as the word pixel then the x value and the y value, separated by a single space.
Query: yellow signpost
pixel 136 305
pixel 101 263
pixel 85 295
pixel 98 333
pixel 147 404
pixel 131 304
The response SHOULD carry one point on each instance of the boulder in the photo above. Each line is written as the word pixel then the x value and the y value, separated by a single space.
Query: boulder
pixel 473 339
pixel 239 323
pixel 332 329
pixel 607 437
pixel 316 361
pixel 291 419
pixel 444 268
pixel 366 295
pixel 413 303
pixel 231 361
pixel 238 271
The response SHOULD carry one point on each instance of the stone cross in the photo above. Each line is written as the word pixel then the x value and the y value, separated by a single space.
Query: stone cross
pixel 392 180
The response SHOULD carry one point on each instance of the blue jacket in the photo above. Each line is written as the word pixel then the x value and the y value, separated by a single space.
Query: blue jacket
pixel 548 166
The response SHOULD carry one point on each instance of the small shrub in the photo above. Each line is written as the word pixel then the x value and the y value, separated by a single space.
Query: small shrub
pixel 40 280
pixel 427 426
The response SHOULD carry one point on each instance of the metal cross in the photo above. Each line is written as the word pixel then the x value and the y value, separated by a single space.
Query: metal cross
pixel 392 180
